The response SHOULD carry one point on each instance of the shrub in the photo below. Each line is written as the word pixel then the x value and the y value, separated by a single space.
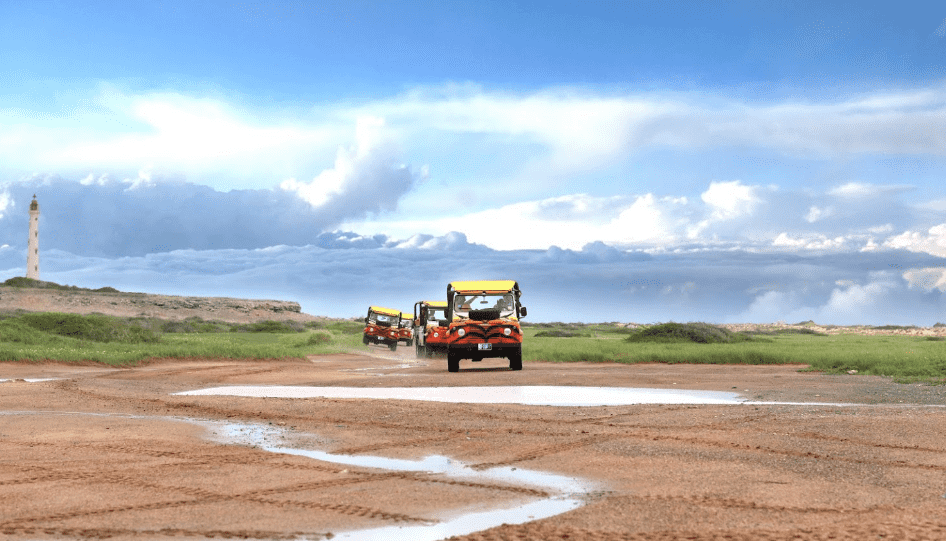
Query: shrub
pixel 701 333
pixel 13 330
pixel 97 328
pixel 802 330
pixel 317 338
pixel 560 333
pixel 271 326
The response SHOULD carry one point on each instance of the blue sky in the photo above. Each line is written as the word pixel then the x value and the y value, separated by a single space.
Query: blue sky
pixel 625 161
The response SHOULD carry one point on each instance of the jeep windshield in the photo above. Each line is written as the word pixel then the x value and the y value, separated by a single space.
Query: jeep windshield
pixel 484 306
pixel 435 315
pixel 382 319
pixel 407 323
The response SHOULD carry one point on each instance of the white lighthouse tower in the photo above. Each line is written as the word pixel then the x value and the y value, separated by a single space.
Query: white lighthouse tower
pixel 32 254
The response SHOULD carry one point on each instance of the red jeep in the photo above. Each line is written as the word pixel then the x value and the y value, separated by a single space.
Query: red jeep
pixel 430 333
pixel 483 319
pixel 381 326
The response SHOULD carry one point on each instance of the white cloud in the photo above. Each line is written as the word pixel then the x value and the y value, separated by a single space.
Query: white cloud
pixel 5 202
pixel 225 141
pixel 812 242
pixel 934 242
pixel 860 190
pixel 815 213
pixel 927 278
pixel 728 200
pixel 366 178
pixel 201 137
pixel 584 128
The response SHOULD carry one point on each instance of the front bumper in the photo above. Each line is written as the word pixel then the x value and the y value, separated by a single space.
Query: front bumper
pixel 473 351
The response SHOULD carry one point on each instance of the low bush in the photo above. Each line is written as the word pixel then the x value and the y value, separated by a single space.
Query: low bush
pixel 13 330
pixel 561 333
pixel 317 338
pixel 700 333
pixel 271 326
pixel 96 328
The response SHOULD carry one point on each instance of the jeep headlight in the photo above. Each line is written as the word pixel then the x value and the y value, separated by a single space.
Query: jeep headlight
pixel 461 333
pixel 436 334
pixel 507 331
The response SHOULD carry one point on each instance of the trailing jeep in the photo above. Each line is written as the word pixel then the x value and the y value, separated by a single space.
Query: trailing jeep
pixel 483 320
pixel 405 330
pixel 381 326
pixel 430 333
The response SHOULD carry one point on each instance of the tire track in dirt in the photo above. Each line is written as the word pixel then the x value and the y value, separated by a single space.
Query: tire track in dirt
pixel 921 531
pixel 217 373
pixel 787 452
pixel 545 450
pixel 734 503
pixel 389 444
pixel 105 533
pixel 202 497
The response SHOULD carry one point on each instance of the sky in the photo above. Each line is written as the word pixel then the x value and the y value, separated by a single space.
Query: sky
pixel 623 161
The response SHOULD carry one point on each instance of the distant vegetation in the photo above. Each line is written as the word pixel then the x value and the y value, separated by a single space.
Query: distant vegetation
pixel 676 333
pixel 124 341
pixel 23 282
pixel 904 358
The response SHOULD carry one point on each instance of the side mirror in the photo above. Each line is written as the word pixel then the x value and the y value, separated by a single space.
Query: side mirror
pixel 366 320
pixel 523 312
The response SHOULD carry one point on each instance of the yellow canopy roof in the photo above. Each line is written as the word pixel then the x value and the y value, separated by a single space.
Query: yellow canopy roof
pixel 436 304
pixel 385 311
pixel 405 315
pixel 489 286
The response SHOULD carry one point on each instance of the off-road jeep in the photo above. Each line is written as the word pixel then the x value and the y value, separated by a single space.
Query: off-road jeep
pixel 405 330
pixel 381 326
pixel 430 333
pixel 483 320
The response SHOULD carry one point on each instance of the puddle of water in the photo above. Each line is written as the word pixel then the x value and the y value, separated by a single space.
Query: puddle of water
pixel 568 492
pixel 526 395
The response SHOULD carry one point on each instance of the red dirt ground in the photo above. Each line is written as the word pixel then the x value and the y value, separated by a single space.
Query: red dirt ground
pixel 101 452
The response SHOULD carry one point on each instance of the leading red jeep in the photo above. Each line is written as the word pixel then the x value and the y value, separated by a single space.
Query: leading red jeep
pixel 483 318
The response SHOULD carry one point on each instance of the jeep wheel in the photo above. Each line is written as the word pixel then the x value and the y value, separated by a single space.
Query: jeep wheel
pixel 453 362
pixel 364 339
pixel 515 360
pixel 393 346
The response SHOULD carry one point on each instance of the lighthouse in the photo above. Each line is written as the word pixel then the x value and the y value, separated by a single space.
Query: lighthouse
pixel 32 254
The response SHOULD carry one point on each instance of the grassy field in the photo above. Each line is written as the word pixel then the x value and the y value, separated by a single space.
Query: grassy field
pixel 126 341
pixel 904 358
pixel 122 341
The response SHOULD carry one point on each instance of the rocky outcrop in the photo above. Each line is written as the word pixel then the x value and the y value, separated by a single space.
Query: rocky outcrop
pixel 145 305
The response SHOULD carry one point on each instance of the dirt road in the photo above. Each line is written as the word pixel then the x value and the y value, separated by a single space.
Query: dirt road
pixel 95 452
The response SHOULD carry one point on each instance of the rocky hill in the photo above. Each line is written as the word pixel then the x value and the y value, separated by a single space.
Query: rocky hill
pixel 110 302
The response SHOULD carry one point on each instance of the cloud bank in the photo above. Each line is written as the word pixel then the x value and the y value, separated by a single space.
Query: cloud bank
pixel 340 274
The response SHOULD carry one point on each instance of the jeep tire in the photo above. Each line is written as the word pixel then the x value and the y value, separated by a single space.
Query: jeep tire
pixel 515 359
pixel 453 362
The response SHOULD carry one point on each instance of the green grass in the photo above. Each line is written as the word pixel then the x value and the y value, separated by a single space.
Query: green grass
pixel 903 358
pixel 126 341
